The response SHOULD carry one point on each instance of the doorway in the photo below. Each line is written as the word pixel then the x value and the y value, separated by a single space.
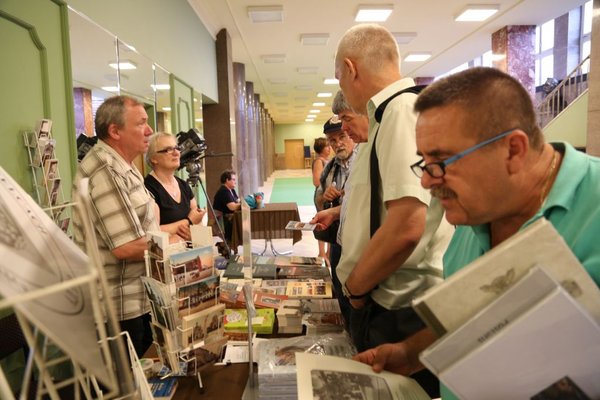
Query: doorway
pixel 294 153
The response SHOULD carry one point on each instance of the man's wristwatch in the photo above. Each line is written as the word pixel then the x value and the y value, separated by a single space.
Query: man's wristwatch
pixel 351 296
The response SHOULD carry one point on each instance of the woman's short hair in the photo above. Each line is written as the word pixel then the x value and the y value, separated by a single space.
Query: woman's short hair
pixel 226 175
pixel 320 144
pixel 152 146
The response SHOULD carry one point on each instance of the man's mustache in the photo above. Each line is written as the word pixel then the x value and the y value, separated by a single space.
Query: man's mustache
pixel 442 192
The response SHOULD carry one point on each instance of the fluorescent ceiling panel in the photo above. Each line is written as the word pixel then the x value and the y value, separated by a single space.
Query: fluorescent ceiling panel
pixel 161 86
pixel 331 81
pixel 125 64
pixel 324 94
pixel 273 58
pixel 314 39
pixel 404 37
pixel 477 12
pixel 260 14
pixel 373 12
pixel 416 57
pixel 110 88
pixel 314 111
pixel 304 87
pixel 307 70
pixel 318 104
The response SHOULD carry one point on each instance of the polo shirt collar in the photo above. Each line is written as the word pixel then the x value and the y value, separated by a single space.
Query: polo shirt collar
pixel 384 94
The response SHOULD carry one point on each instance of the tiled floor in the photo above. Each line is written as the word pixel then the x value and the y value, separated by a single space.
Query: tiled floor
pixel 308 245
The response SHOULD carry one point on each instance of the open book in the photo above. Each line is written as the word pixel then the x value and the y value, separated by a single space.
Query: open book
pixel 450 304
pixel 329 377
pixel 532 337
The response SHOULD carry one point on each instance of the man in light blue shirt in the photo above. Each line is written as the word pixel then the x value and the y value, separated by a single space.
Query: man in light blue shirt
pixel 485 159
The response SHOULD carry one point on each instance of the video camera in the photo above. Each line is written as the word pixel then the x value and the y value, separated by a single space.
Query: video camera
pixel 192 146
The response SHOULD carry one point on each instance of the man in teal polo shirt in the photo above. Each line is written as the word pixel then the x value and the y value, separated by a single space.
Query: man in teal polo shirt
pixel 485 159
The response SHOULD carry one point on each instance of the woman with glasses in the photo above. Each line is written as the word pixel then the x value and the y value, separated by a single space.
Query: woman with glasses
pixel 174 197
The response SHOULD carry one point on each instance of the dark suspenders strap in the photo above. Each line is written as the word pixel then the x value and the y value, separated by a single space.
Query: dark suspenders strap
pixel 376 200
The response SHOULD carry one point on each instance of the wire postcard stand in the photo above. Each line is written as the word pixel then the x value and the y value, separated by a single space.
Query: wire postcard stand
pixel 54 290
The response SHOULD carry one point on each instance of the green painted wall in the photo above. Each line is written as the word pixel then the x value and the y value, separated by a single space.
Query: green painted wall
pixel 309 132
pixel 168 32
pixel 571 125
pixel 36 83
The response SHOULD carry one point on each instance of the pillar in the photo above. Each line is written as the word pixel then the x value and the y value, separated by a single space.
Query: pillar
pixel 593 125
pixel 517 44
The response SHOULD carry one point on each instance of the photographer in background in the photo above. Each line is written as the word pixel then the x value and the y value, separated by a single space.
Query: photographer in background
pixel 330 193
pixel 174 197
pixel 227 201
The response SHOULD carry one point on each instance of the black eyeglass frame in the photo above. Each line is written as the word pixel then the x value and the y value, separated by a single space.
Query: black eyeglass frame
pixel 169 149
pixel 419 170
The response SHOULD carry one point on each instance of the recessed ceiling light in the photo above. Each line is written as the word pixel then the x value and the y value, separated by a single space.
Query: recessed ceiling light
pixel 125 64
pixel 198 119
pixel 404 37
pixel 477 12
pixel 416 57
pixel 373 12
pixel 314 39
pixel 166 108
pixel 319 104
pixel 279 94
pixel 324 94
pixel 277 81
pixel 311 116
pixel 273 58
pixel 161 86
pixel 314 111
pixel 330 81
pixel 307 70
pixel 110 88
pixel 195 100
pixel 303 87
pixel 260 14
pixel 498 57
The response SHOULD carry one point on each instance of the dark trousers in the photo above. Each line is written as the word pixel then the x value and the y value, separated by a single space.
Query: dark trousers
pixel 140 332
pixel 373 325
pixel 334 259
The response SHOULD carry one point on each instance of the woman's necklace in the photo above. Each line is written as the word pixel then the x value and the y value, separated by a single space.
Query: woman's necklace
pixel 172 188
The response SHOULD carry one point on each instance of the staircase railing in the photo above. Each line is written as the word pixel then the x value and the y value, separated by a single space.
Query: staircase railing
pixel 564 93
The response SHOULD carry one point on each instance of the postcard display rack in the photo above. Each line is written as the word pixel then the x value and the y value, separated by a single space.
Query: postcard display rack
pixel 45 172
pixel 53 289
pixel 187 319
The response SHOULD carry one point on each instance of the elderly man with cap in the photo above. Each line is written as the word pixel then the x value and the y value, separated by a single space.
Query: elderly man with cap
pixel 331 191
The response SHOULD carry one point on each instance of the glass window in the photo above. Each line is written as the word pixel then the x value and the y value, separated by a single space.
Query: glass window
pixel 587 18
pixel 547 68
pixel 547 36
pixel 585 51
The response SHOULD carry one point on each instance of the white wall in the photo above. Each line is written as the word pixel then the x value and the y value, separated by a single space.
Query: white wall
pixel 571 125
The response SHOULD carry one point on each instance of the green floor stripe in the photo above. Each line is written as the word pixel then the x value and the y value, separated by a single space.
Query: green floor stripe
pixel 298 190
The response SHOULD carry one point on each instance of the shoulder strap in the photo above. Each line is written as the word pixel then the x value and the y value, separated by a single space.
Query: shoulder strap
pixel 374 162
pixel 413 89
pixel 326 171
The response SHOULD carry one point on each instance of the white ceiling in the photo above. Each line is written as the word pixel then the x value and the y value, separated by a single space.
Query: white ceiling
pixel 288 95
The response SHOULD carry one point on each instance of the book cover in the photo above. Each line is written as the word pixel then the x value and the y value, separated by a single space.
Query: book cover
pixel 312 289
pixel 303 271
pixel 329 377
pixel 263 271
pixel 163 388
pixel 237 320
pixel 203 326
pixel 451 303
pixel 554 338
pixel 489 321
pixel 198 295
pixel 268 300
pixel 191 265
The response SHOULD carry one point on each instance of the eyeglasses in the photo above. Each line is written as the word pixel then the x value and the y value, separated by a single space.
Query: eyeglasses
pixel 437 169
pixel 170 149
pixel 333 142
